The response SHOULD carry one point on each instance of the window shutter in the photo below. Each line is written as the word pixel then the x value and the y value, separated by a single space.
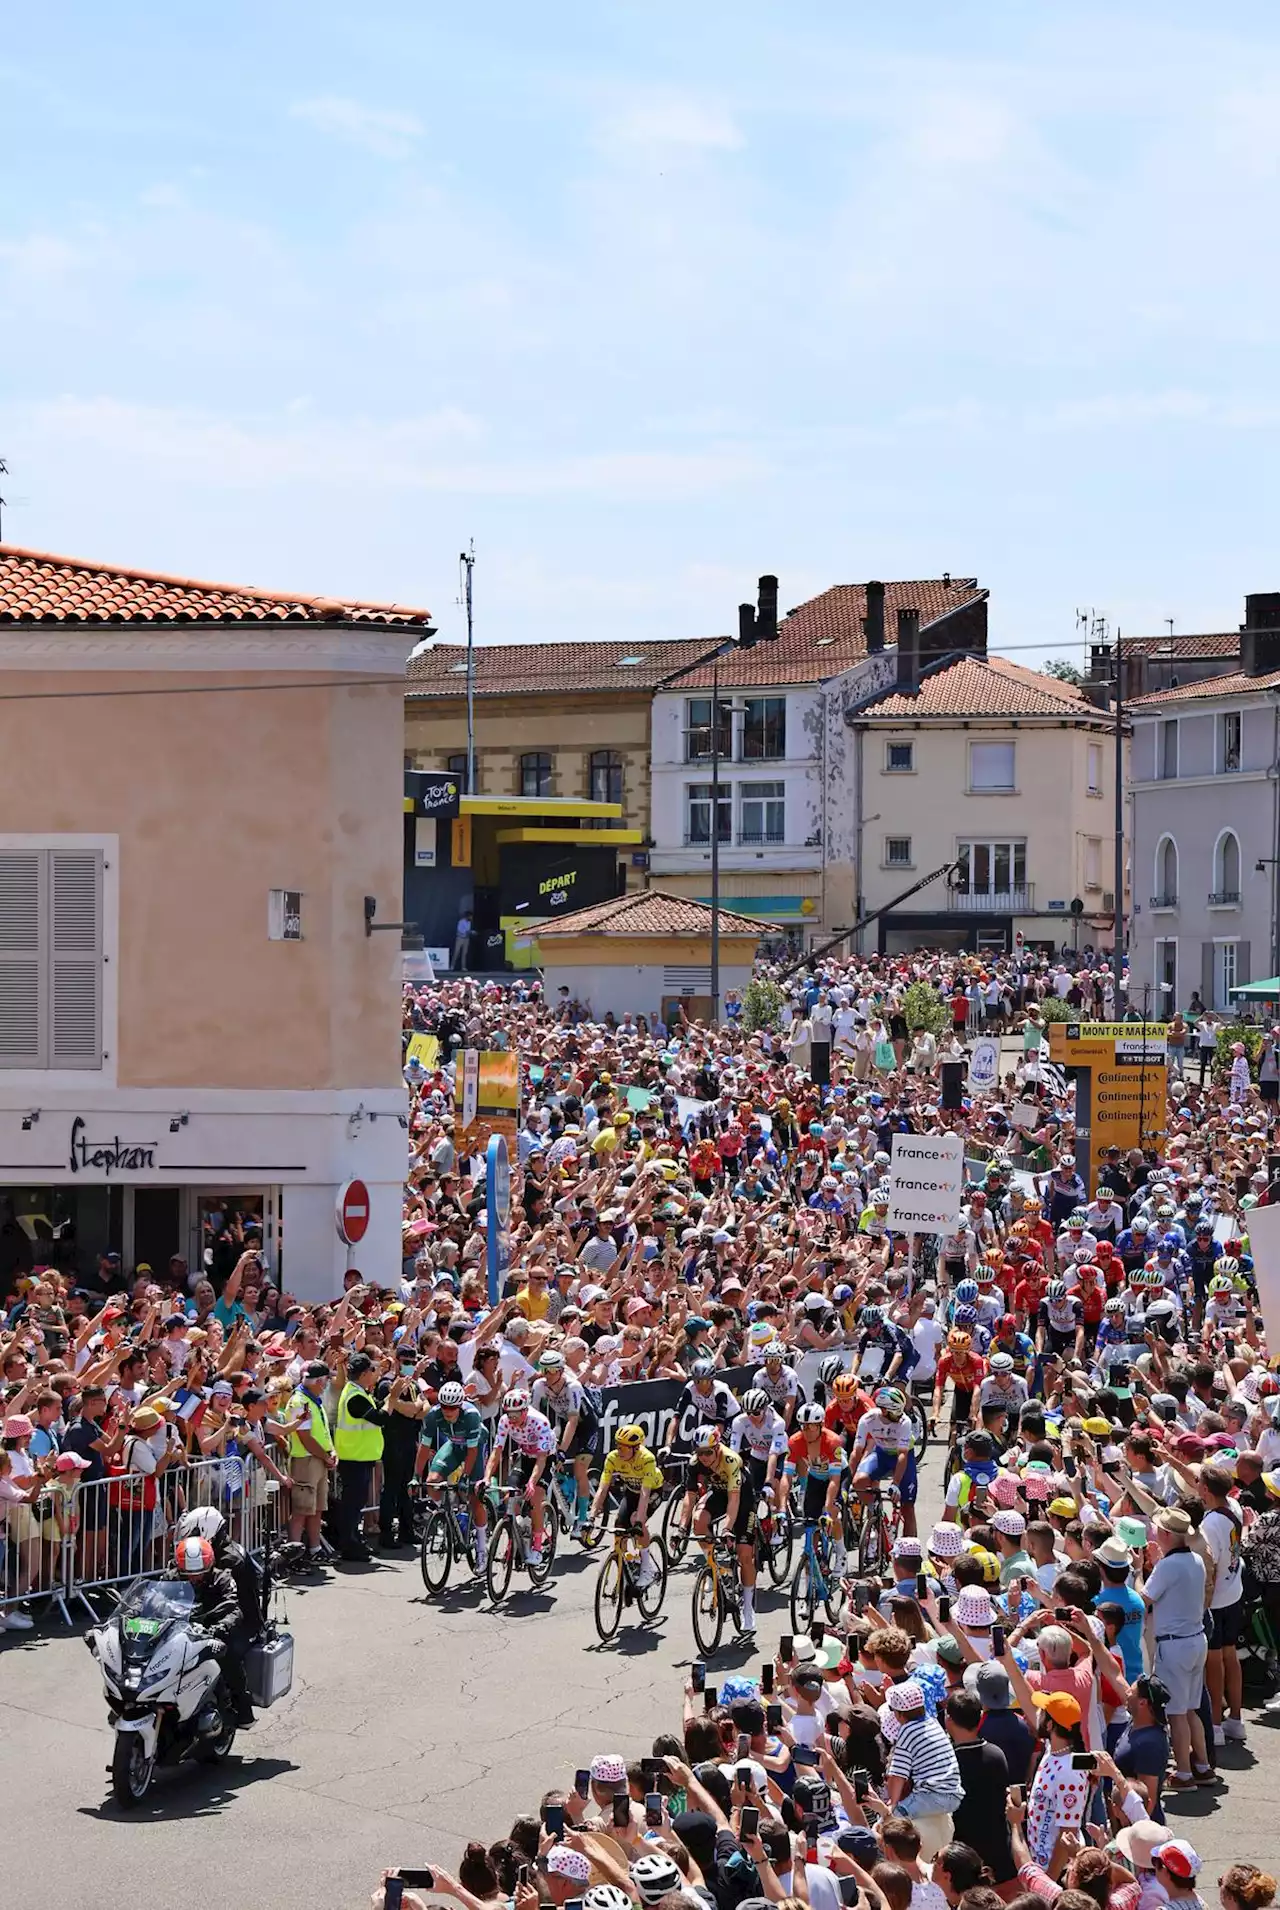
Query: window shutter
pixel 1243 973
pixel 76 965
pixel 21 1004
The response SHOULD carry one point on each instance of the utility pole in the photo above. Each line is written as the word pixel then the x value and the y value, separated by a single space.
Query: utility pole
pixel 467 559
pixel 1117 952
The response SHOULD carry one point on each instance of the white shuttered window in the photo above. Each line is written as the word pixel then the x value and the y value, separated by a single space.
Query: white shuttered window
pixel 50 958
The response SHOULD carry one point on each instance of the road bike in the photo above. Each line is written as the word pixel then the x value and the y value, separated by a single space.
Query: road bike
pixel 815 1583
pixel 448 1534
pixel 618 1582
pixel 562 1499
pixel 881 1528
pixel 677 1518
pixel 717 1593
pixel 510 1541
pixel 775 1539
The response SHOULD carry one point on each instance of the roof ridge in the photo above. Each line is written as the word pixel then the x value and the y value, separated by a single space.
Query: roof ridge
pixel 254 591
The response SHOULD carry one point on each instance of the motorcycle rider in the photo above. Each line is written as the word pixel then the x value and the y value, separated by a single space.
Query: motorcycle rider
pixel 219 1612
pixel 206 1522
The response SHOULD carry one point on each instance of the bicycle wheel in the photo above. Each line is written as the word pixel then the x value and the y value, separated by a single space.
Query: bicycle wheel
pixel 649 1598
pixel 608 1600
pixel 870 1552
pixel 675 1531
pixel 779 1548
pixel 708 1612
pixel 501 1560
pixel 919 1428
pixel 435 1554
pixel 541 1572
pixel 804 1595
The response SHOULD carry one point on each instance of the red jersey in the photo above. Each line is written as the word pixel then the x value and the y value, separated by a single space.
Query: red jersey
pixel 843 1415
pixel 966 1374
pixel 830 1448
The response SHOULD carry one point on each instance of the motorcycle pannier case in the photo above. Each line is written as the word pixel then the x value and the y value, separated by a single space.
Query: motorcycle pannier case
pixel 269 1669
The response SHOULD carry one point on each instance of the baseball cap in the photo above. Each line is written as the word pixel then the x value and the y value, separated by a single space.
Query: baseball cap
pixel 1179 1859
pixel 564 1862
pixel 907 1696
pixel 608 1768
pixel 991 1683
pixel 1061 1706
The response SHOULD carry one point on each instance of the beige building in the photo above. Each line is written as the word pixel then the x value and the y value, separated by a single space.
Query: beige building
pixel 1003 771
pixel 641 954
pixel 199 786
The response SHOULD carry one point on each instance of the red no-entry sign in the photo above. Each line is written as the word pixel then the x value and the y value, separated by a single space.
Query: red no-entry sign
pixel 353 1212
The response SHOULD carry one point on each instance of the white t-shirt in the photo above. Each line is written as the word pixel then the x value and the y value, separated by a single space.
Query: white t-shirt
pixel 927 1336
pixel 1221 1534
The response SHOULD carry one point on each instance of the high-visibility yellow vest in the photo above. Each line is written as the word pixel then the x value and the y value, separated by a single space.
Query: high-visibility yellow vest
pixel 356 1438
pixel 319 1427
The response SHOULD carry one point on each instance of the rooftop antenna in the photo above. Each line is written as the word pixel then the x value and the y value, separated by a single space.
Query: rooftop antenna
pixel 467 563
pixel 1169 621
pixel 4 472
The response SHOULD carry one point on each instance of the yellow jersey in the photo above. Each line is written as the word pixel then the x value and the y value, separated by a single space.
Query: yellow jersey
pixel 633 1472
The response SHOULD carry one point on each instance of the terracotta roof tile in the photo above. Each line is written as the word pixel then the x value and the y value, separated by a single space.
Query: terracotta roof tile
pixel 527 669
pixel 974 686
pixel 648 912
pixel 1216 643
pixel 36 587
pixel 1234 683
pixel 824 636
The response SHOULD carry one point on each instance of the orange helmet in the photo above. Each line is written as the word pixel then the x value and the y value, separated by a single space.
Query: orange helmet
pixel 845 1388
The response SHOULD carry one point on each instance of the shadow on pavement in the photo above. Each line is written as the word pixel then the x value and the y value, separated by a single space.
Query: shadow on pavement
pixel 194 1790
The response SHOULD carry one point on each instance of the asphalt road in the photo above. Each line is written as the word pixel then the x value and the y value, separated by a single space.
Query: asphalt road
pixel 410 1727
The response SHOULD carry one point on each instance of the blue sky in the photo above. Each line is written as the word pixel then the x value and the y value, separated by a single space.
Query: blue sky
pixel 647 299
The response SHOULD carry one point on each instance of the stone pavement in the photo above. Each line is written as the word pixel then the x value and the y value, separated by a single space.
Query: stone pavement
pixel 411 1726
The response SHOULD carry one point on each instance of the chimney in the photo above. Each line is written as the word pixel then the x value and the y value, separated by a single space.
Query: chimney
pixel 1260 633
pixel 909 650
pixel 873 622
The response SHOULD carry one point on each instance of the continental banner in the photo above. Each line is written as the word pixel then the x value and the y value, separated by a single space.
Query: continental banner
pixel 496 1105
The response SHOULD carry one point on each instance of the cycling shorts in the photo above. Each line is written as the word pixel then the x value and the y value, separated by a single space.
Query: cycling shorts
pixel 451 1458
pixel 745 1524
pixel 879 1464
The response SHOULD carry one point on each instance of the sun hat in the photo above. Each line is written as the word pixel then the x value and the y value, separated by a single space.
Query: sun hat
pixel 973 1607
pixel 1061 1706
pixel 146 1417
pixel 1113 1552
pixel 992 1686
pixel 905 1697
pixel 1012 1524
pixel 1131 1533
pixel 608 1768
pixel 1174 1520
pixel 889 1723
pixel 907 1548
pixel 947 1650
pixel 564 1862
pixel 946 1541
pixel 18 1426
pixel 1062 1508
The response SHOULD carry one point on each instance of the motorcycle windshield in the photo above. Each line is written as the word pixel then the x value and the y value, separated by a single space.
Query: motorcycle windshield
pixel 151 1604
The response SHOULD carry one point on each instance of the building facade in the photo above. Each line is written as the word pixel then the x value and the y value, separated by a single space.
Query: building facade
pixel 786 777
pixel 1003 772
pixel 1206 826
pixel 201 784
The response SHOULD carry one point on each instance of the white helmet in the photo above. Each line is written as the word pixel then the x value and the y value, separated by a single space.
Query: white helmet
pixel 204 1522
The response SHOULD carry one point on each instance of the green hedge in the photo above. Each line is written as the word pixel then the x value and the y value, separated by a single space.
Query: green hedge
pixel 1236 1031
pixel 922 1008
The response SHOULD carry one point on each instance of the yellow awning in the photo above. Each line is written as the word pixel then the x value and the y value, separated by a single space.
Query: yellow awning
pixel 583 838
pixel 532 806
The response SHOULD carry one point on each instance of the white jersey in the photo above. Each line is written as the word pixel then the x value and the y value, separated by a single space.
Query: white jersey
pixel 759 1441
pixel 876 1429
pixel 778 1391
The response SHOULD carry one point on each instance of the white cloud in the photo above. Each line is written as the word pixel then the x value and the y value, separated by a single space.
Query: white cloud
pixel 675 120
pixel 387 134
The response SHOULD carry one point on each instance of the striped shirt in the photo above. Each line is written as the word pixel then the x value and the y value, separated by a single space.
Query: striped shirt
pixel 925 1754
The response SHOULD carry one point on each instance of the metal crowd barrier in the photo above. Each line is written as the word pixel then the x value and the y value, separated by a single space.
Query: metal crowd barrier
pixel 96 1538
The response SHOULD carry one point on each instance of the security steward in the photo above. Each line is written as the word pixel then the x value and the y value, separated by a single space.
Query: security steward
pixel 311 1457
pixel 358 1442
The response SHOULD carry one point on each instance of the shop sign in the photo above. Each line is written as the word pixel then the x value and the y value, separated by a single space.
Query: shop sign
pixel 110 1156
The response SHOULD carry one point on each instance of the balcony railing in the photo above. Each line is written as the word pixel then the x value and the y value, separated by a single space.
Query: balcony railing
pixel 1224 899
pixel 993 901
pixel 1169 901
pixel 757 838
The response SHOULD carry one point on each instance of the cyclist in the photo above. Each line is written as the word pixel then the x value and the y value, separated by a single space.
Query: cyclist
pixel 568 1406
pixel 965 1295
pixel 727 1492
pixel 632 1468
pixel 962 1366
pixel 848 1404
pixel 711 1401
pixel 815 1456
pixel 533 1440
pixel 1003 1386
pixel 883 1351
pixel 1009 1340
pixel 759 1435
pixel 1060 1324
pixel 777 1382
pixel 990 1303
pixel 453 1443
pixel 883 1447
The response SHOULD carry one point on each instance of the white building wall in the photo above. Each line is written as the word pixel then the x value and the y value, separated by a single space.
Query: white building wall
pixel 637 987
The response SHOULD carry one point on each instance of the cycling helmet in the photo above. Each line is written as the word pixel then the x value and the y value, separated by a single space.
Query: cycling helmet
pixel 880 1198
pixel 1220 1283
pixel 1115 1304
pixel 606 1896
pixel 990 1565
pixel 1078 1218
pixel 1152 1277
pixel 831 1368
pixel 845 1386
pixel 1056 1290
pixel 775 1353
pixel 1081 1256
pixel 889 1400
pixel 205 1522
pixel 1141 1225
pixel 193 1557
pixel 707 1439
pixel 452 1393
pixel 551 1362
pixel 1165 1210
pixel 1226 1266
pixel 629 1437
pixel 1204 1225
pixel 871 1316
pixel 1006 1324
pixel 810 1416
pixel 958 1342
pixel 702 1369
pixel 755 1401
pixel 967 1292
pixel 1001 1362
pixel 516 1401
pixel 1168 1242
pixel 986 1276
pixel 966 1316
pixel 654 1876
